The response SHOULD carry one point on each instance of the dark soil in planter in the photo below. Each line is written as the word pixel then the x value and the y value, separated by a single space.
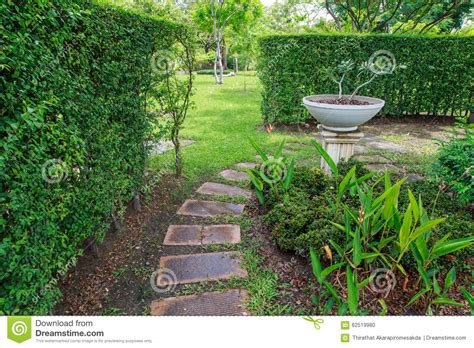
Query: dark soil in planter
pixel 341 101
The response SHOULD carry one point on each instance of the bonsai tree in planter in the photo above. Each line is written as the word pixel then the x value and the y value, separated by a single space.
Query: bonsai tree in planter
pixel 344 113
pixel 380 63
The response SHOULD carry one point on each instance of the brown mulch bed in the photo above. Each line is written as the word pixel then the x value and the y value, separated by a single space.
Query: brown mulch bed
pixel 112 279
pixel 296 271
pixel 310 125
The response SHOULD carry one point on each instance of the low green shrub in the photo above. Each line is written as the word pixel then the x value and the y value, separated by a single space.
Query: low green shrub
pixel 300 222
pixel 313 181
pixel 454 165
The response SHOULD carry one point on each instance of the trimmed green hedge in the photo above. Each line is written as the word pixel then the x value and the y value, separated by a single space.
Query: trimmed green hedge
pixel 73 123
pixel 437 80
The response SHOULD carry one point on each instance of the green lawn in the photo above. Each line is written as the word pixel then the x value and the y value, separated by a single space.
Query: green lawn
pixel 222 120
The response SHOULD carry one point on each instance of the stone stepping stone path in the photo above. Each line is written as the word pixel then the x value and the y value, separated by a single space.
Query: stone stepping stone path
pixel 381 144
pixel 195 268
pixel 208 303
pixel 213 188
pixel 377 143
pixel 382 167
pixel 202 234
pixel 209 208
pixel 203 267
pixel 166 145
pixel 359 149
pixel 246 165
pixel 234 175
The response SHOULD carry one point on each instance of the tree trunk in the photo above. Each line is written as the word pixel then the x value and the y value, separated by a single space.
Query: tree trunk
pixel 95 248
pixel 136 203
pixel 236 65
pixel 217 40
pixel 224 54
pixel 219 77
pixel 118 226
pixel 177 156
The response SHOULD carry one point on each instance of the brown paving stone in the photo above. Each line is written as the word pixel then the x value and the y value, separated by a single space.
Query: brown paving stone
pixel 235 175
pixel 246 165
pixel 231 302
pixel 214 188
pixel 199 234
pixel 215 234
pixel 183 235
pixel 194 268
pixel 209 208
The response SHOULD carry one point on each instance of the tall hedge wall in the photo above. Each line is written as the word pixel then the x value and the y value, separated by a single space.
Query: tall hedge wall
pixel 73 122
pixel 437 80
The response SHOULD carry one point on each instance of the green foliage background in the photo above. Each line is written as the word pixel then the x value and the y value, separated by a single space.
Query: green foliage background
pixel 73 83
pixel 455 164
pixel 437 79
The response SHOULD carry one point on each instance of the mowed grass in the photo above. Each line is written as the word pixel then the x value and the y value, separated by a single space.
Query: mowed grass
pixel 221 122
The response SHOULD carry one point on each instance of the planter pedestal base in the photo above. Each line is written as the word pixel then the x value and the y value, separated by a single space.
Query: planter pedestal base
pixel 338 145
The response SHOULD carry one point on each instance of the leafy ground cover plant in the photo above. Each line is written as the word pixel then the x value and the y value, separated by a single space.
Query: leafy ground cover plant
pixel 272 178
pixel 381 235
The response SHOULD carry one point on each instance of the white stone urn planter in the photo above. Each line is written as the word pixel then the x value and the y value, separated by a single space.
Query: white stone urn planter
pixel 342 117
pixel 339 122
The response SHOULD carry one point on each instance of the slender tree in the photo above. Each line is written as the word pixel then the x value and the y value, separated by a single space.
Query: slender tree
pixel 215 16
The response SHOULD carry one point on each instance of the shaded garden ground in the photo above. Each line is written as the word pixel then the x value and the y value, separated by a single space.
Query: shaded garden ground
pixel 117 282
